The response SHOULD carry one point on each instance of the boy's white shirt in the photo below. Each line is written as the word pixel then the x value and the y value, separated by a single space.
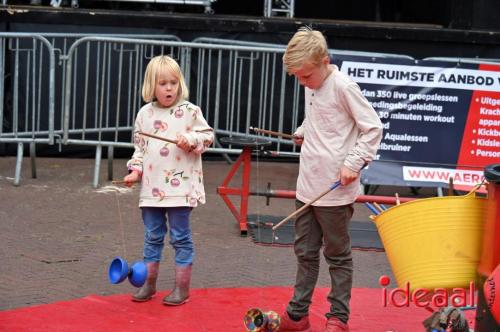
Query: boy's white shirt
pixel 340 128
pixel 170 175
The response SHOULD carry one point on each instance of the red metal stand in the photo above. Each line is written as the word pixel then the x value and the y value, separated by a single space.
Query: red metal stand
pixel 224 191
pixel 249 144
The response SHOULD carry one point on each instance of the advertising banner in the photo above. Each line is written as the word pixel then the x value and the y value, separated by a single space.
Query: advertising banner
pixel 441 119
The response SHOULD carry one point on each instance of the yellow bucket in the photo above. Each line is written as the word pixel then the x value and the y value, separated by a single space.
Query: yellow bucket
pixel 434 242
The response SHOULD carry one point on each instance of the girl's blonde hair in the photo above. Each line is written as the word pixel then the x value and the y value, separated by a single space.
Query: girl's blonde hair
pixel 157 65
pixel 307 45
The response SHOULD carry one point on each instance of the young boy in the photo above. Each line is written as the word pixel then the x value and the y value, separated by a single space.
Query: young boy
pixel 340 133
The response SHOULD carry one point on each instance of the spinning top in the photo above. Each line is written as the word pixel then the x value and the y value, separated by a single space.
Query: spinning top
pixel 119 270
pixel 258 321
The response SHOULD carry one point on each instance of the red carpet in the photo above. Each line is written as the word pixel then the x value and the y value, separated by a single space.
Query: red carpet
pixel 214 309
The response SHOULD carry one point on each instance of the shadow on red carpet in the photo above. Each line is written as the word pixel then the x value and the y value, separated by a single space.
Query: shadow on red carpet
pixel 212 309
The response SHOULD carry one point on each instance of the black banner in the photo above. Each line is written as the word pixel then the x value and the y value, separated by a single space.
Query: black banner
pixel 441 120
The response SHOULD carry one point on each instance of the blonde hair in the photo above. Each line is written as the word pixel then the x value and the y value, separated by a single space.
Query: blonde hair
pixel 157 65
pixel 307 45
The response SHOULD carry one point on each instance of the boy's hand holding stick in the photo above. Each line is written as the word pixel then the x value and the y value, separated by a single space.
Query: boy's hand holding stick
pixel 270 132
pixel 278 225
pixel 332 187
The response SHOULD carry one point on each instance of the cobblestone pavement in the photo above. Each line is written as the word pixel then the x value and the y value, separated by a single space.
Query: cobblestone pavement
pixel 58 234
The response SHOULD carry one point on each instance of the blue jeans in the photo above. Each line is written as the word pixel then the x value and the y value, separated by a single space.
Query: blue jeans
pixel 155 229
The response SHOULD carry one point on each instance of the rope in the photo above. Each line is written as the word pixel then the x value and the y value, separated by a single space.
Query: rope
pixel 122 230
pixel 117 190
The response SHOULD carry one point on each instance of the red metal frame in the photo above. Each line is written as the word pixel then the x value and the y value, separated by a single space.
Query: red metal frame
pixel 224 191
pixel 244 160
pixel 360 199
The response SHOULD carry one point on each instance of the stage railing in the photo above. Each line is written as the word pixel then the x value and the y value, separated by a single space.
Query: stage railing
pixel 228 82
pixel 95 95
pixel 27 74
pixel 33 72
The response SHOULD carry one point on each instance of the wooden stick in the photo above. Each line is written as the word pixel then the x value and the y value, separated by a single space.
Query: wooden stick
pixel 204 130
pixel 272 133
pixel 124 183
pixel 372 208
pixel 332 187
pixel 157 137
pixel 278 225
pixel 378 207
pixel 451 187
pixel 397 199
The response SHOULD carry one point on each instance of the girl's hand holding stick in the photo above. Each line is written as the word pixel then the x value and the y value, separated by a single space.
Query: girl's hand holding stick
pixel 123 182
pixel 129 179
pixel 173 141
pixel 180 142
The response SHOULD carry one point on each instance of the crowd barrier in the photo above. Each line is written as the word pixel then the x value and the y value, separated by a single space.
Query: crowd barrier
pixel 90 86
pixel 31 98
pixel 27 74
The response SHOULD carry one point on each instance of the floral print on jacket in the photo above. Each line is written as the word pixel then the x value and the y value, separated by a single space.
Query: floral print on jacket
pixel 170 175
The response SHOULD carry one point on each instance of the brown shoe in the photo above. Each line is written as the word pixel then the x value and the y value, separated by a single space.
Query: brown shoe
pixel 333 324
pixel 289 325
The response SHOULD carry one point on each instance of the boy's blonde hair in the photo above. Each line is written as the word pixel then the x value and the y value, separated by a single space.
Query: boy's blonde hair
pixel 157 65
pixel 307 45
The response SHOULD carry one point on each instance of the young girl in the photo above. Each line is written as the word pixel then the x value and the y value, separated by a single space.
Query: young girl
pixel 171 174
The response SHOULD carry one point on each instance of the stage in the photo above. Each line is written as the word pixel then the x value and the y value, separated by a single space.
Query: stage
pixel 209 309
pixel 39 268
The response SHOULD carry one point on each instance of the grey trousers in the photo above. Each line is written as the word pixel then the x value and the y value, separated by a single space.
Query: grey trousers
pixel 315 226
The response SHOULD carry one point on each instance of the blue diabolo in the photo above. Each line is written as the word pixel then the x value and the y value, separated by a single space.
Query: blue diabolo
pixel 119 271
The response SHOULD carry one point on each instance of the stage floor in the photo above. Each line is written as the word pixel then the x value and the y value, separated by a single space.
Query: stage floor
pixel 58 236
pixel 214 309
